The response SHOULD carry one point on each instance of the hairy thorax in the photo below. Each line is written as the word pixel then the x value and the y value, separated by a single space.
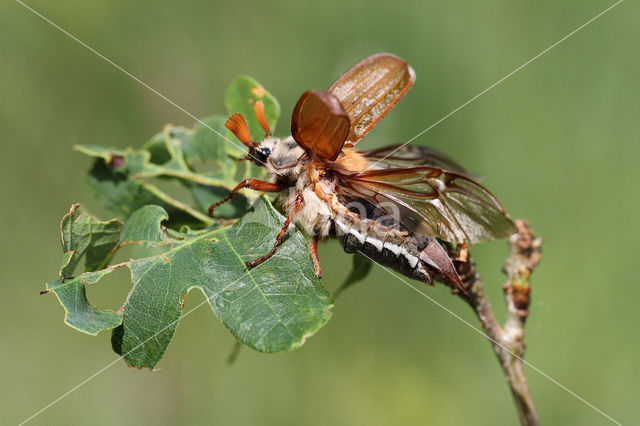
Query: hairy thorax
pixel 291 166
pixel 315 215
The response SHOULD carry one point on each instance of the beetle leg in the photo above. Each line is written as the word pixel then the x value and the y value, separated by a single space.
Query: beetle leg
pixel 258 185
pixel 296 205
pixel 313 251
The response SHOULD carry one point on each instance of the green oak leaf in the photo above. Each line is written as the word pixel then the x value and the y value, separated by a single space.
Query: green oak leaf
pixel 144 227
pixel 273 307
pixel 205 195
pixel 202 159
pixel 208 147
pixel 359 270
pixel 179 152
pixel 79 313
pixel 157 147
pixel 84 235
pixel 116 179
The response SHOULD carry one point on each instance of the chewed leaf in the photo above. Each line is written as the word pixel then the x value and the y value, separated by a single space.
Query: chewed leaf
pixel 179 151
pixel 199 159
pixel 79 314
pixel 144 227
pixel 118 184
pixel 84 235
pixel 271 308
pixel 203 159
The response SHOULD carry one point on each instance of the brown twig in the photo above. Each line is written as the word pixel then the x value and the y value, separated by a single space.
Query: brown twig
pixel 508 340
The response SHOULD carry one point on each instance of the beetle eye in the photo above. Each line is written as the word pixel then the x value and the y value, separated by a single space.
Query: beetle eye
pixel 261 155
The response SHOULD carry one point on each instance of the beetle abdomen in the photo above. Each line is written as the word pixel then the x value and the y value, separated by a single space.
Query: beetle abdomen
pixel 381 243
pixel 413 255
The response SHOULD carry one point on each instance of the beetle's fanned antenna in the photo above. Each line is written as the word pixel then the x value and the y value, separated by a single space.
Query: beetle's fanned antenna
pixel 239 127
pixel 258 109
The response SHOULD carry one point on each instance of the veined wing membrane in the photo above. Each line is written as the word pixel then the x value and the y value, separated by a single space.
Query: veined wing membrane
pixel 433 202
pixel 398 156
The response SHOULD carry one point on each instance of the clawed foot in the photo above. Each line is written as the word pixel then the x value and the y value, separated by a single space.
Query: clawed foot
pixel 253 263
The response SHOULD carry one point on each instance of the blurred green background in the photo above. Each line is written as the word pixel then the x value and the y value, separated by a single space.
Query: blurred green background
pixel 557 142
